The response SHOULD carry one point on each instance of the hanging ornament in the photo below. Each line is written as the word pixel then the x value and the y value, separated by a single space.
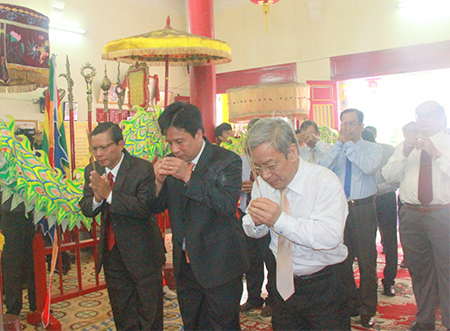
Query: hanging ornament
pixel 265 6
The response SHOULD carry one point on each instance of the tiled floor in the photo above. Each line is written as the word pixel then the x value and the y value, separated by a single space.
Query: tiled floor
pixel 92 312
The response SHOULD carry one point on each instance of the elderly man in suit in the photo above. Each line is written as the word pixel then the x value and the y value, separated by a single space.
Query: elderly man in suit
pixel 199 183
pixel 121 187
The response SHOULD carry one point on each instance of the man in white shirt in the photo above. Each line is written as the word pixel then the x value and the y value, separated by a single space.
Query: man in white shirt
pixel 422 166
pixel 303 207
pixel 314 149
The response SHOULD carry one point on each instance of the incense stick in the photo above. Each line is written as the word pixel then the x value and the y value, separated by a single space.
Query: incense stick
pixel 251 164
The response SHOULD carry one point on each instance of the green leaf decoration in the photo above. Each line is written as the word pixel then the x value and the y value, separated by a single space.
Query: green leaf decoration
pixel 141 134
pixel 30 178
pixel 236 145
pixel 328 135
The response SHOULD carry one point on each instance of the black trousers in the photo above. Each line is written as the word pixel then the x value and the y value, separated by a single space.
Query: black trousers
pixel 316 305
pixel 387 223
pixel 137 303
pixel 207 309
pixel 359 237
pixel 17 260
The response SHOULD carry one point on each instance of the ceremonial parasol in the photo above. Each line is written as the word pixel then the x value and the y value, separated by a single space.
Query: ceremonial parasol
pixel 24 49
pixel 168 47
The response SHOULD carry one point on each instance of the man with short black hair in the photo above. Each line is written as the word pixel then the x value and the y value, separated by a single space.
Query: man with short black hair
pixel 223 132
pixel 303 207
pixel 356 162
pixel 199 183
pixel 299 138
pixel 122 187
pixel 314 149
pixel 422 166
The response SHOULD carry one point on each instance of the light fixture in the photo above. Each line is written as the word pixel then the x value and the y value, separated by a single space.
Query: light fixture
pixel 66 28
pixel 265 6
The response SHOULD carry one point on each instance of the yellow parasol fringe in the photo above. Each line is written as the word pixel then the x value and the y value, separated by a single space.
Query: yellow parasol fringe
pixel 182 48
pixel 21 80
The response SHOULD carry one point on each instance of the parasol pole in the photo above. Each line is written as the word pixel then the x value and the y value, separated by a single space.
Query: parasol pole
pixel 166 83
pixel 166 80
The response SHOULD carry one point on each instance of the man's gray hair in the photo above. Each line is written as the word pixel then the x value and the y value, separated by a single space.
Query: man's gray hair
pixel 252 122
pixel 278 132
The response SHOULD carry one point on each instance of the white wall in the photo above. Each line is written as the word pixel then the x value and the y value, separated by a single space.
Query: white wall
pixel 346 27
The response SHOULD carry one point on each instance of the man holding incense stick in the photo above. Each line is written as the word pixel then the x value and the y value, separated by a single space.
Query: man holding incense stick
pixel 303 207
pixel 421 165
pixel 199 183
pixel 131 249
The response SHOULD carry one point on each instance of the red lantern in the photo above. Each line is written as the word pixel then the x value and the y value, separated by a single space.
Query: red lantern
pixel 265 6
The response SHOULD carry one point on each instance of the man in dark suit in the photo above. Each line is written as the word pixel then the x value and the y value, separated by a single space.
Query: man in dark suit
pixel 199 183
pixel 131 249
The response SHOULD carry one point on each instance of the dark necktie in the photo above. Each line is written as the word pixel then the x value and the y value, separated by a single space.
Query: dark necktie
pixel 425 186
pixel 109 234
pixel 348 178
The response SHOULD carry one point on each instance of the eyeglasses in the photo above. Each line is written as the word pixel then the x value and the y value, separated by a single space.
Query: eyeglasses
pixel 351 123
pixel 269 167
pixel 428 115
pixel 100 148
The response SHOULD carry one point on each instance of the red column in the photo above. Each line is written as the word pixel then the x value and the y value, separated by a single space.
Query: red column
pixel 203 79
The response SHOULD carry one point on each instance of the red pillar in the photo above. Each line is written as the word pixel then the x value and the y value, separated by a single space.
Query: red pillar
pixel 203 79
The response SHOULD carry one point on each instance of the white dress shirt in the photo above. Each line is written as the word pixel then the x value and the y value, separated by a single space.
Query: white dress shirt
pixel 406 171
pixel 195 160
pixel 316 227
pixel 320 150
